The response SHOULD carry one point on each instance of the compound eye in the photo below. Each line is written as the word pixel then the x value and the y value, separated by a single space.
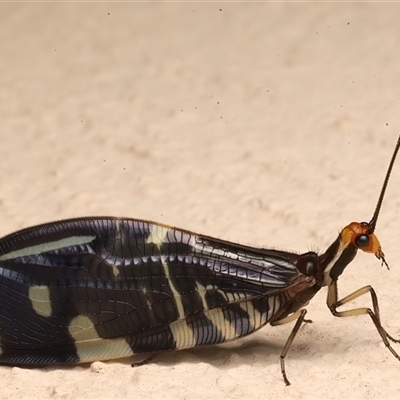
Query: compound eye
pixel 362 241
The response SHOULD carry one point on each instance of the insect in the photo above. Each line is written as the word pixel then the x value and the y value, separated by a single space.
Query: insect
pixel 89 289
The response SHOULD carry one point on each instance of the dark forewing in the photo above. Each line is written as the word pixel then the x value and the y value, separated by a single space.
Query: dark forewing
pixel 98 288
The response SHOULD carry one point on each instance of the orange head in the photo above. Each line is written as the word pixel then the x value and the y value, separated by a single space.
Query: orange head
pixel 363 238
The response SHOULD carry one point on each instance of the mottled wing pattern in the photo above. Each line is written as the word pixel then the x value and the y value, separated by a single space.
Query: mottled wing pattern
pixel 100 288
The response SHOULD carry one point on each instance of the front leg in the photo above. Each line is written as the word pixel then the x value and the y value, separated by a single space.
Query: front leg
pixel 333 303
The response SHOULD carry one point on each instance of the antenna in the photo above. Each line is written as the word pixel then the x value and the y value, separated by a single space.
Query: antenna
pixel 372 223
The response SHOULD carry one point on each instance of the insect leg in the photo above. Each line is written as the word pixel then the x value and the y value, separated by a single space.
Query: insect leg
pixel 299 315
pixel 374 299
pixel 145 361
pixel 333 303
